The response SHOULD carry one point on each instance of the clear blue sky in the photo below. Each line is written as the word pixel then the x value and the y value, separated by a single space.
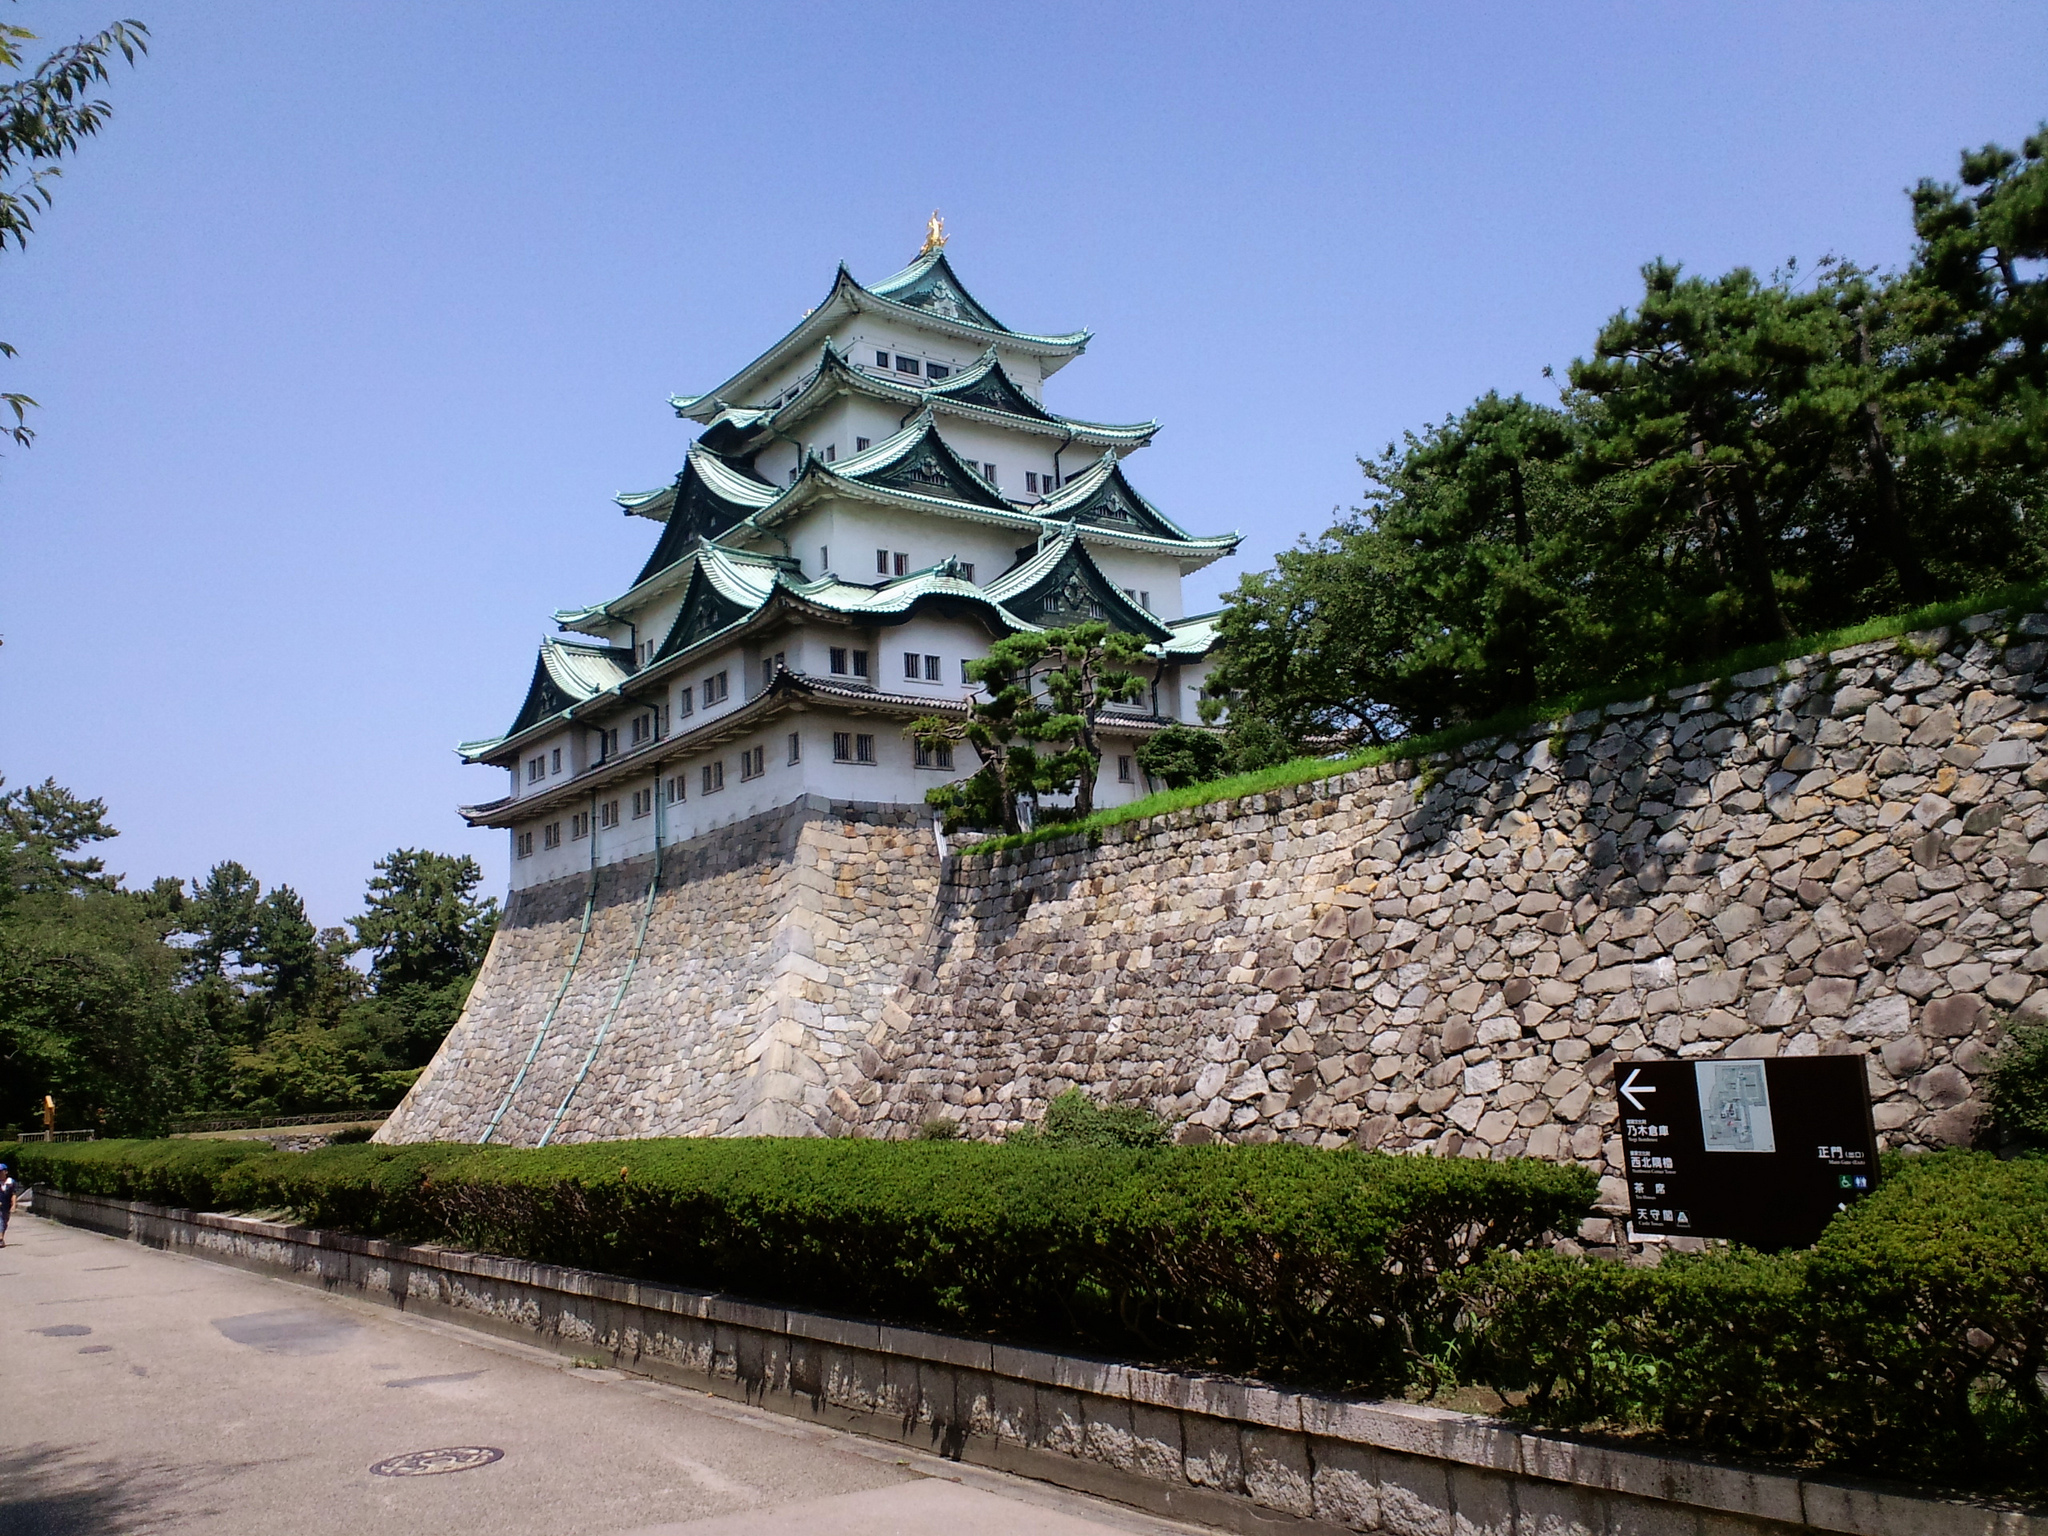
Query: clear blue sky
pixel 352 322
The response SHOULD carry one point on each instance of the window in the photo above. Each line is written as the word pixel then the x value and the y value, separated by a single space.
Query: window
pixel 523 842
pixel 988 473
pixel 861 445
pixel 715 689
pixel 901 561
pixel 753 762
pixel 863 749
pixel 1142 599
pixel 536 768
pixel 824 558
pixel 677 788
pixel 839 660
pixel 607 744
pixel 551 835
pixel 608 813
pixel 906 364
pixel 931 669
pixel 860 663
pixel 831 453
pixel 555 761
pixel 714 777
pixel 643 729
pixel 643 803
pixel 842 746
pixel 796 746
pixel 912 667
pixel 938 754
pixel 881 361
pixel 793 469
pixel 881 562
pixel 686 702
pixel 937 371
pixel 965 676
pixel 579 824
pixel 1031 482
pixel 966 570
pixel 1123 770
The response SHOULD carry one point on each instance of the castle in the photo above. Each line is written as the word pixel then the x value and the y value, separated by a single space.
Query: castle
pixel 873 500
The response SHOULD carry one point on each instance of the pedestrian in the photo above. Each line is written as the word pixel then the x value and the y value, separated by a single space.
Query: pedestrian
pixel 8 1190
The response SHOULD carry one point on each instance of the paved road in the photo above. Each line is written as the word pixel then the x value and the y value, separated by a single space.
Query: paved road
pixel 146 1392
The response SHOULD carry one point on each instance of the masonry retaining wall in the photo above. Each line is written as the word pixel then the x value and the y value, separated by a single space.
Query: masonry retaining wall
pixel 1232 1454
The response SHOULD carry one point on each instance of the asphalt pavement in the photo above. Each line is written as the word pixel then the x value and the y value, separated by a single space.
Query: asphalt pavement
pixel 151 1392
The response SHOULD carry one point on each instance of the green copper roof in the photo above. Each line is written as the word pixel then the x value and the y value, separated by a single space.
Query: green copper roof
pixel 564 674
pixel 1103 497
pixel 1061 584
pixel 984 391
pixel 932 299
pixel 1194 636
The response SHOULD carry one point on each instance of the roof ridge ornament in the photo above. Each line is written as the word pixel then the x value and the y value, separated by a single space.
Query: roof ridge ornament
pixel 934 235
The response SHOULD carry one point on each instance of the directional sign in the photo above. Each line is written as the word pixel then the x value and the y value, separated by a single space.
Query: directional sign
pixel 1760 1152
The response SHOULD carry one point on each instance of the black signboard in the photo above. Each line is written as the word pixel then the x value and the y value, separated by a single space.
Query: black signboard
pixel 1760 1152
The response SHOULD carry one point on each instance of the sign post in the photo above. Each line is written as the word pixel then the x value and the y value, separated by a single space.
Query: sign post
pixel 1762 1152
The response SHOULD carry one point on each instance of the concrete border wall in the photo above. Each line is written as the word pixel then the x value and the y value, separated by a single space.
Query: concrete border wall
pixel 1228 1453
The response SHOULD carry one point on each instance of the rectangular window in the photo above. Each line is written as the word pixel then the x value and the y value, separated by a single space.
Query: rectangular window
pixel 831 453
pixel 842 746
pixel 716 689
pixel 643 803
pixel 931 669
pixel 967 570
pixel 1145 600
pixel 524 843
pixel 535 769
pixel 551 835
pixel 793 470
pixel 643 729
pixel 938 754
pixel 937 371
pixel 608 813
pixel 863 749
pixel 881 562
pixel 579 824
pixel 796 746
pixel 1123 770
pixel 677 788
pixel 839 660
pixel 555 761
pixel 714 777
pixel 753 762
pixel 965 676
pixel 824 558
pixel 988 473
pixel 881 359
pixel 861 445
pixel 906 364
pixel 1031 482
pixel 911 666
pixel 686 702
pixel 607 745
pixel 860 663
pixel 901 563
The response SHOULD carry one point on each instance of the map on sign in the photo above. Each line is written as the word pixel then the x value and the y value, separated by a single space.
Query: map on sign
pixel 1735 1107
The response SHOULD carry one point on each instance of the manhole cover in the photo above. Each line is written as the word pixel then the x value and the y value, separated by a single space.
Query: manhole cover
pixel 453 1458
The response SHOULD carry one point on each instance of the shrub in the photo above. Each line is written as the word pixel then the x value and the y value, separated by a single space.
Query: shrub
pixel 1320 1267
pixel 1180 755
pixel 2016 1088
pixel 1912 1337
pixel 1075 1120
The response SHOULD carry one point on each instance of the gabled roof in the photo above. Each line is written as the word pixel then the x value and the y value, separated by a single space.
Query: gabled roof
pixel 926 294
pixel 984 391
pixel 709 496
pixel 917 460
pixel 722 591
pixel 565 673
pixel 1102 497
pixel 1061 584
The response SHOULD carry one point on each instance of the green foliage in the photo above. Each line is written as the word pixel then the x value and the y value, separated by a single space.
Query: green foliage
pixel 1034 730
pixel 1314 1266
pixel 1739 458
pixel 45 114
pixel 1911 1337
pixel 2016 1088
pixel 1181 755
pixel 422 923
pixel 1075 1120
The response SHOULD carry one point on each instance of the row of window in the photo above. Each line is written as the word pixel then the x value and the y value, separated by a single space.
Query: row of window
pixel 912 366
pixel 847 747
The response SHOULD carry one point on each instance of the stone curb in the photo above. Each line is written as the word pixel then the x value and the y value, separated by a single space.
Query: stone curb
pixel 1231 1453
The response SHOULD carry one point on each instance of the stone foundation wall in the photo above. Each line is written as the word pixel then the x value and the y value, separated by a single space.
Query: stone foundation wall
pixel 1843 854
pixel 768 954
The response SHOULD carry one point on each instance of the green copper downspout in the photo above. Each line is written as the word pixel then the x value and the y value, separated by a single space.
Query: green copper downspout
pixel 625 981
pixel 548 1019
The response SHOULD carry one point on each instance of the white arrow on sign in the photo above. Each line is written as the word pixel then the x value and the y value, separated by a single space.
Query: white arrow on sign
pixel 1631 1088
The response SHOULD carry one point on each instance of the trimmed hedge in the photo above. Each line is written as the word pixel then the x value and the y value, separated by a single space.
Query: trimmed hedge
pixel 1280 1261
pixel 1912 1338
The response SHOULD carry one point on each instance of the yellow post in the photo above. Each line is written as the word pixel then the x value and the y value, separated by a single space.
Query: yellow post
pixel 49 1113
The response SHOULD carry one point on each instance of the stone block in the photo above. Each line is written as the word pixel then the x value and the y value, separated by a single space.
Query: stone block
pixel 1346 1487
pixel 1415 1495
pixel 1212 1453
pixel 1951 1018
pixel 1276 1470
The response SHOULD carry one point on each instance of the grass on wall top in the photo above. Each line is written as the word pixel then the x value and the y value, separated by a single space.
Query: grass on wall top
pixel 1409 748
